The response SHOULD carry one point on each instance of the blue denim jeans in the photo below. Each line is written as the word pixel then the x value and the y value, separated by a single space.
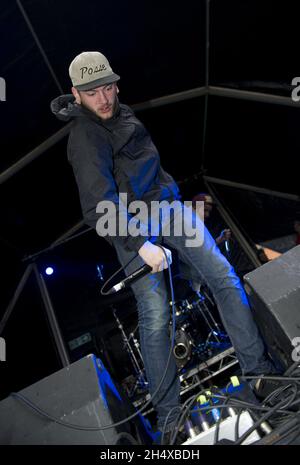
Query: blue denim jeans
pixel 207 262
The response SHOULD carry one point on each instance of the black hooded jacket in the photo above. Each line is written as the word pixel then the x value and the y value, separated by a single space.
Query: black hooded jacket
pixel 112 157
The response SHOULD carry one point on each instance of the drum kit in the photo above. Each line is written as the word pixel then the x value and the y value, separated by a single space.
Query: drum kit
pixel 198 335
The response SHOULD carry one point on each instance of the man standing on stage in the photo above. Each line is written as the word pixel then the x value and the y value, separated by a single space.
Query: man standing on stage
pixel 112 153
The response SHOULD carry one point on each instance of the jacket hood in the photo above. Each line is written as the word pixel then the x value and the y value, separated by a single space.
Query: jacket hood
pixel 65 108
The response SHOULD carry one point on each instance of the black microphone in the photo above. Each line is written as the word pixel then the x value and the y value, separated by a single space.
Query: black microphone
pixel 137 274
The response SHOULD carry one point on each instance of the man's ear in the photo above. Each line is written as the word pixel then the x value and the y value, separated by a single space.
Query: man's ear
pixel 76 95
pixel 117 89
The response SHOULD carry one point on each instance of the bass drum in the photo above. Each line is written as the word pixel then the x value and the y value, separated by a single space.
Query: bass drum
pixel 183 347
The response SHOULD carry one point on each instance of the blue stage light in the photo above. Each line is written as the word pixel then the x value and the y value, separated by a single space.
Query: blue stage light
pixel 49 270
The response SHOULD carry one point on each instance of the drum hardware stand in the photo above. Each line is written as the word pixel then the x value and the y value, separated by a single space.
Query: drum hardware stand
pixel 136 345
pixel 211 325
pixel 141 381
pixel 207 296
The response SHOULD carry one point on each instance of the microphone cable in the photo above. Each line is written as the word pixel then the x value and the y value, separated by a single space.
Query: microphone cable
pixel 115 274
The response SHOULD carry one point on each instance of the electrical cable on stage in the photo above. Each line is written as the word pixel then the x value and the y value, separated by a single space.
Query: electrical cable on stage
pixel 279 407
pixel 43 413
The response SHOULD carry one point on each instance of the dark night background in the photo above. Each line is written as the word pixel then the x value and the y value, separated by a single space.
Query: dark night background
pixel 158 48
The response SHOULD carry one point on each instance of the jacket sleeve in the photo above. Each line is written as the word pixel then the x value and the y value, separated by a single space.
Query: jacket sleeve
pixel 92 162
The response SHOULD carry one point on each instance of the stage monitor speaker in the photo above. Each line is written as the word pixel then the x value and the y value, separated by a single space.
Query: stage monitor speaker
pixel 82 394
pixel 274 295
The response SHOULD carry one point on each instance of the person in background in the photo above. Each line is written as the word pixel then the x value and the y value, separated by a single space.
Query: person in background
pixel 227 244
pixel 225 234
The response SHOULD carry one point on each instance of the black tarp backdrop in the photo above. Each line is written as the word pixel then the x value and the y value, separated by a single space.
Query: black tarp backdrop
pixel 158 48
pixel 253 44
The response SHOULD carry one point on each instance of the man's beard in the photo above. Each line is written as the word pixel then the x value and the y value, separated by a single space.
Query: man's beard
pixel 113 110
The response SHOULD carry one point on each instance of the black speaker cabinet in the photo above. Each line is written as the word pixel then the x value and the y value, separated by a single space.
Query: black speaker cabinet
pixel 274 295
pixel 82 394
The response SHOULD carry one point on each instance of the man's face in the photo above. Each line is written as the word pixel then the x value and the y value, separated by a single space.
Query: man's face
pixel 101 100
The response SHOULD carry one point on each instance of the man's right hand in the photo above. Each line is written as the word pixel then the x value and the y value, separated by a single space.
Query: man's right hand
pixel 154 256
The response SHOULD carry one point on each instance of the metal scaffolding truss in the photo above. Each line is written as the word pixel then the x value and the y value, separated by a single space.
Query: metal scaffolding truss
pixel 203 91
pixel 207 370
pixel 198 375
